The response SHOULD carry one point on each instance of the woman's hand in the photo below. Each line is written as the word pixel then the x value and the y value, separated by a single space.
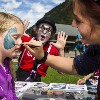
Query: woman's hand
pixel 35 48
pixel 61 40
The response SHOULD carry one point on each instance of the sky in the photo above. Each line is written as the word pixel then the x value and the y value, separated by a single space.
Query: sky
pixel 32 10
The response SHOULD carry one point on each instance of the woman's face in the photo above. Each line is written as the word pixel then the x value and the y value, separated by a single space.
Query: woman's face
pixel 85 28
pixel 12 40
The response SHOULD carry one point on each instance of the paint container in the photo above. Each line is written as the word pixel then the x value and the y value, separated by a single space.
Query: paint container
pixel 36 91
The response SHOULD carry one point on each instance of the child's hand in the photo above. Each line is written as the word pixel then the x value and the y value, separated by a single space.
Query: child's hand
pixel 61 40
pixel 26 24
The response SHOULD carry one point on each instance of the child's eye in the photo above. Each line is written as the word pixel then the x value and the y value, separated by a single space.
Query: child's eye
pixel 15 37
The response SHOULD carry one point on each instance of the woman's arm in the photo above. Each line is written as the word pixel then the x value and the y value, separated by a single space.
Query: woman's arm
pixel 60 63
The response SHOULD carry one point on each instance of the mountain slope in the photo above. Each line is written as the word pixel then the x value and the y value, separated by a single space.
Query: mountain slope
pixel 62 14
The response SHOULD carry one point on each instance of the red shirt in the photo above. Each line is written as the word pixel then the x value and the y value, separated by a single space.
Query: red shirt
pixel 26 60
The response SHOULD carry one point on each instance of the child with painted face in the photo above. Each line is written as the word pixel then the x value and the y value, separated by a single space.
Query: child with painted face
pixel 11 31
pixel 44 29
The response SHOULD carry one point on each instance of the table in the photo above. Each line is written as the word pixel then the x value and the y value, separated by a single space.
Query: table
pixel 51 91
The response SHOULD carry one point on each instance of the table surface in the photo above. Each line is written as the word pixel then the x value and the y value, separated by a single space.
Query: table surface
pixel 51 91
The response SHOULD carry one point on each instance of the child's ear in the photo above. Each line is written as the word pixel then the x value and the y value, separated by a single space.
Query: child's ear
pixel 52 36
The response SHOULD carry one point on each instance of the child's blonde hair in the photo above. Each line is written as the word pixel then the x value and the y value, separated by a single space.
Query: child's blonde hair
pixel 7 20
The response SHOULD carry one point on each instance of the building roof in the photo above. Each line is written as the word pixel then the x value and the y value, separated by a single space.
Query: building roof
pixel 68 29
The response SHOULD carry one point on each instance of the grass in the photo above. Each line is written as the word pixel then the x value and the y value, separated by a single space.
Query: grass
pixel 54 76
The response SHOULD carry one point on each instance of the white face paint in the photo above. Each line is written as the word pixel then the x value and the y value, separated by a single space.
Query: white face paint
pixel 44 32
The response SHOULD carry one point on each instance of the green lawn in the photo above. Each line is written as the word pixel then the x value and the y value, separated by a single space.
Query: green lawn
pixel 54 76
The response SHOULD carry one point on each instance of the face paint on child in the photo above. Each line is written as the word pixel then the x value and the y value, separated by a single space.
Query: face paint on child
pixel 8 41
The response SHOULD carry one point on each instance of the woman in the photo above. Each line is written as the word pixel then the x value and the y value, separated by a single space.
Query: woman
pixel 87 20
pixel 11 31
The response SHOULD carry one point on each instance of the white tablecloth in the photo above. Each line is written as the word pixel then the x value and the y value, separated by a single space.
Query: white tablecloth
pixel 22 87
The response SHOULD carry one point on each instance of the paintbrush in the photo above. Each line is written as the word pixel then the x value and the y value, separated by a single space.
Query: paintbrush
pixel 31 46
